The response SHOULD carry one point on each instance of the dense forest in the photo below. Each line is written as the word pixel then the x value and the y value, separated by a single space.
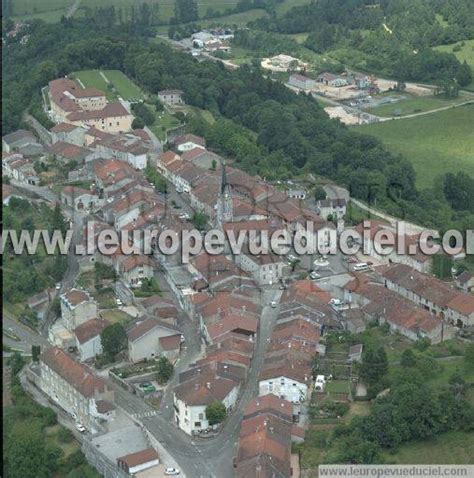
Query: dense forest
pixel 268 129
pixel 393 37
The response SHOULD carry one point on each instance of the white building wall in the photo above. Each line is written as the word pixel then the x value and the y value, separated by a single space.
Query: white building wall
pixel 284 387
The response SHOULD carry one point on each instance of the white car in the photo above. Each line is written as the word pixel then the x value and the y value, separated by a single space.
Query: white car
pixel 118 302
pixel 273 303
pixel 58 285
pixel 314 275
pixel 80 427
pixel 171 471
pixel 184 216
pixel 335 302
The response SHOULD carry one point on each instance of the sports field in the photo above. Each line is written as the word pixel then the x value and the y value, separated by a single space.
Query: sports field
pixel 435 143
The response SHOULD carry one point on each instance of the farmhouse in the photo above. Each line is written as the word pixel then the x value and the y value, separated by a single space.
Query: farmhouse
pixel 189 141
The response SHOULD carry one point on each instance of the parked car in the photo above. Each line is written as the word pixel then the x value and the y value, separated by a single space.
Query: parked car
pixel 184 215
pixel 58 285
pixel 118 302
pixel 314 275
pixel 80 427
pixel 171 471
pixel 273 303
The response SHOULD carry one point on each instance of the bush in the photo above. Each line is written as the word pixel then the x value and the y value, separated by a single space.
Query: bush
pixel 65 435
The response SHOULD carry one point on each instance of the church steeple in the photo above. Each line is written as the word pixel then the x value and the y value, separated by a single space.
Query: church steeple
pixel 224 202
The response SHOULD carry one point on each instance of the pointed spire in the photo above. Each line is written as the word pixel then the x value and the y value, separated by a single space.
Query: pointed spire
pixel 223 177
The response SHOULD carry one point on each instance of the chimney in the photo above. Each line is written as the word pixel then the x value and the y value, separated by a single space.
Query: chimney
pixel 208 385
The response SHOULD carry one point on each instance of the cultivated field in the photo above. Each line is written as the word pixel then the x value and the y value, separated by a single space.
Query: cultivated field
pixel 434 143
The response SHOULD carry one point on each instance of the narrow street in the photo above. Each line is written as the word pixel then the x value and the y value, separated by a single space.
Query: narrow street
pixel 199 457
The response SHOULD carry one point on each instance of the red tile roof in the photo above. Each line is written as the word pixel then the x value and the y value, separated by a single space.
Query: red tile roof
pixel 90 329
pixel 172 342
pixel 111 110
pixel 77 375
pixel 139 458
pixel 64 128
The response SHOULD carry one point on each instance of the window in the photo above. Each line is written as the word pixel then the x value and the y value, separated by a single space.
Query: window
pixel 201 416
pixel 197 424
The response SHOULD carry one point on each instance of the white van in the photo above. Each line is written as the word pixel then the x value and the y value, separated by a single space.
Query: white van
pixel 361 266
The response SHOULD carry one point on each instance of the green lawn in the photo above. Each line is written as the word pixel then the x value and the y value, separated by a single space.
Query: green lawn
pixel 413 104
pixel 164 121
pixel 435 143
pixel 115 316
pixel 93 79
pixel 448 448
pixel 124 87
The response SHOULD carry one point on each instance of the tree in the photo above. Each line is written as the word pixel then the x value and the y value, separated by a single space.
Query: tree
pixel 199 220
pixel 114 339
pixel 35 352
pixel 374 365
pixel 319 193
pixel 185 11
pixel 165 370
pixel 464 75
pixel 408 358
pixel 216 413
pixel 138 123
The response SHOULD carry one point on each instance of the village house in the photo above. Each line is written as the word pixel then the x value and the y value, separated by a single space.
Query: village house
pixel 22 141
pixel 68 152
pixel 16 167
pixel 431 294
pixel 88 341
pixel 134 268
pixel 265 439
pixel 126 147
pixel 193 396
pixel 373 236
pixel 171 97
pixel 465 281
pixel 69 133
pixel 302 82
pixel 73 387
pixel 203 158
pixel 164 160
pixel 77 307
pixel 79 198
pixel 111 175
pixel 266 269
pixel 332 207
pixel 86 107
pixel 287 378
pixel 378 303
pixel 187 142
pixel 144 338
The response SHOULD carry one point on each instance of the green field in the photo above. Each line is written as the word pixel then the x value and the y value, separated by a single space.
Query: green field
pixel 164 121
pixel 434 143
pixel 92 79
pixel 413 104
pixel 122 85
pixel 52 10
pixel 447 448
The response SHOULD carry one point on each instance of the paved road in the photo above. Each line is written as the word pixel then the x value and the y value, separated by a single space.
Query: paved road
pixel 28 337
pixel 204 457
